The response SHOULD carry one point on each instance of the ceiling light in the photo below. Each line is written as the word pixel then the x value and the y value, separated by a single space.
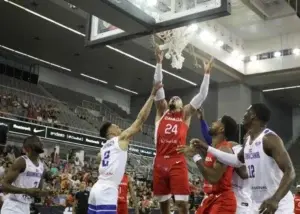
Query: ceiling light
pixel 93 78
pixel 235 53
pixel 219 43
pixel 152 3
pixel 282 88
pixel 277 54
pixel 125 89
pixel 192 28
pixel 253 58
pixel 108 46
pixel 296 51
pixel 207 36
pixel 147 63
pixel 34 58
pixel 241 57
pixel 45 18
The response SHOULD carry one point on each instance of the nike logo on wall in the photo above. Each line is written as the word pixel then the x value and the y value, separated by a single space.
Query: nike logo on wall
pixel 38 130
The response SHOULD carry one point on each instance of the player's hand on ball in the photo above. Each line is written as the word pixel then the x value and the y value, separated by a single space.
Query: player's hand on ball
pixel 186 150
pixel 269 206
pixel 159 55
pixel 208 65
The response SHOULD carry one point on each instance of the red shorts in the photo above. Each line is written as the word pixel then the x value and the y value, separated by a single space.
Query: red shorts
pixel 223 203
pixel 170 176
pixel 122 208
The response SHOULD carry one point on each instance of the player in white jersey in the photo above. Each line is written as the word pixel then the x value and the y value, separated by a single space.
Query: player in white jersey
pixel 23 180
pixel 270 168
pixel 113 157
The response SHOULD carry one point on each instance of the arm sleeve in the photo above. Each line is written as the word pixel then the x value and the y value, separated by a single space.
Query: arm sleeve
pixel 158 77
pixel 225 158
pixel 204 131
pixel 198 100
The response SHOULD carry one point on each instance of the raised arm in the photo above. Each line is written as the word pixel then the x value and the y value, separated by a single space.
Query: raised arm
pixel 132 195
pixel 136 126
pixel 160 101
pixel 274 147
pixel 204 127
pixel 198 100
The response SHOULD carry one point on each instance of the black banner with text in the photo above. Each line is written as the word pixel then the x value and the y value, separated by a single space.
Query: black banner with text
pixel 26 128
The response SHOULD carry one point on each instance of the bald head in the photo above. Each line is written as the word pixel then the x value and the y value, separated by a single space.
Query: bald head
pixel 33 144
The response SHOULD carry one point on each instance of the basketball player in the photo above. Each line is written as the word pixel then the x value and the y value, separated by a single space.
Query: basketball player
pixel 297 200
pixel 125 185
pixel 240 183
pixel 23 180
pixel 217 186
pixel 170 173
pixel 270 169
pixel 113 157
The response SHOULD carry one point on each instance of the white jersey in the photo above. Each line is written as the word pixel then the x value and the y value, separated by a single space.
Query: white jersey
pixel 241 187
pixel 113 162
pixel 264 173
pixel 30 178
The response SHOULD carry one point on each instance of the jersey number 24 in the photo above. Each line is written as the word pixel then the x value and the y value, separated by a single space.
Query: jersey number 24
pixel 171 129
pixel 105 160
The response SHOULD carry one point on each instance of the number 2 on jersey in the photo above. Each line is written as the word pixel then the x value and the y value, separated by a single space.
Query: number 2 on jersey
pixel 171 129
pixel 251 171
pixel 105 160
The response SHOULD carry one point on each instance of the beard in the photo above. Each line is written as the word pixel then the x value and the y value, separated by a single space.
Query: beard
pixel 211 132
pixel 38 150
pixel 172 107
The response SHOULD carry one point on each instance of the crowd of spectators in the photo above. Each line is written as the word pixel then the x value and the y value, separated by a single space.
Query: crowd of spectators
pixel 67 174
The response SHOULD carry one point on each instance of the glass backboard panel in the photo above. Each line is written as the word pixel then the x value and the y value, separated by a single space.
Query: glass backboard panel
pixel 155 16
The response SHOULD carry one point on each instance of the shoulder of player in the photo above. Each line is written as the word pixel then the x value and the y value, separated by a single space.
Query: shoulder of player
pixel 19 164
pixel 272 141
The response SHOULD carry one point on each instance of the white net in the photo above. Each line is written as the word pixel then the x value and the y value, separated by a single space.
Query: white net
pixel 175 41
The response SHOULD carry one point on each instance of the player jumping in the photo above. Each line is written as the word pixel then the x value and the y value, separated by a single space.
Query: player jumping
pixel 170 173
pixel 113 157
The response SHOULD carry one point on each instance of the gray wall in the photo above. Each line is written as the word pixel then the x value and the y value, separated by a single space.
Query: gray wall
pixel 211 105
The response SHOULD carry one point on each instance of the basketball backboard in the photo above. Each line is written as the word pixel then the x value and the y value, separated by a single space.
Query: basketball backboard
pixel 135 18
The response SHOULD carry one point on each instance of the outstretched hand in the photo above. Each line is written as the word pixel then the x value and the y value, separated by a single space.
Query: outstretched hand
pixel 159 55
pixel 199 145
pixel 188 151
pixel 208 65
pixel 200 113
pixel 269 206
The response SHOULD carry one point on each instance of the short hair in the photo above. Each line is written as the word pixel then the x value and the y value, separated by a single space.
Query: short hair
pixel 230 127
pixel 30 140
pixel 104 128
pixel 262 112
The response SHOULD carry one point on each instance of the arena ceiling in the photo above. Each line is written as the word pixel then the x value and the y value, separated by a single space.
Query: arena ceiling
pixel 30 34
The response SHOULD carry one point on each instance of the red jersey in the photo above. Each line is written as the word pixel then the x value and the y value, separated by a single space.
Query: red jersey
pixel 224 183
pixel 123 190
pixel 171 131
pixel 297 204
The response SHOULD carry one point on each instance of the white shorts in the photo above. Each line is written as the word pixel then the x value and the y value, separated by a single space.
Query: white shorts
pixel 14 207
pixel 287 208
pixel 103 198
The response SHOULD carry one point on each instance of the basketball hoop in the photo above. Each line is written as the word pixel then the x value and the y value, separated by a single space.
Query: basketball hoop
pixel 175 41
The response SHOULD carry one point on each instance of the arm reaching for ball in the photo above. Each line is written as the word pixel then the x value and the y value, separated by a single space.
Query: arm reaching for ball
pixel 198 100
pixel 160 101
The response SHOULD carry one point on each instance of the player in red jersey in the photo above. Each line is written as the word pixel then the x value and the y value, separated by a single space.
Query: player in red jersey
pixel 124 186
pixel 170 172
pixel 297 200
pixel 219 196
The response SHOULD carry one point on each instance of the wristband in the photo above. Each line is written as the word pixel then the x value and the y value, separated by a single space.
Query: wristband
pixel 196 158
